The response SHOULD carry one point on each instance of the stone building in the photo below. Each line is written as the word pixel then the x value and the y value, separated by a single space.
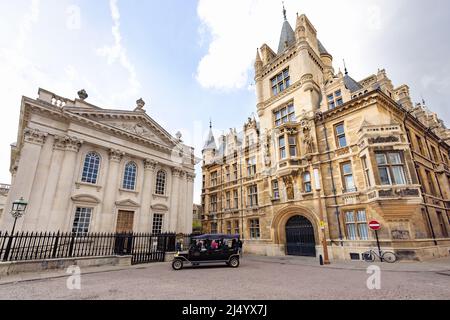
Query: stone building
pixel 327 155
pixel 87 169
pixel 4 189
pixel 197 213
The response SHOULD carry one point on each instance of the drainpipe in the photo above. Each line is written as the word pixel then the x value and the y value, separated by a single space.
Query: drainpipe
pixel 420 180
pixel 333 184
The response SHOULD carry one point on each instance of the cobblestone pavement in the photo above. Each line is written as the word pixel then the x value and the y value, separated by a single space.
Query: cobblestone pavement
pixel 256 278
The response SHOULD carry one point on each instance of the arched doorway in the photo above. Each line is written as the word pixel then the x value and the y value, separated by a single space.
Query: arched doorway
pixel 300 240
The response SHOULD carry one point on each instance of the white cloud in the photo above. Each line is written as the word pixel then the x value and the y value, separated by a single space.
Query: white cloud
pixel 118 52
pixel 37 49
pixel 238 27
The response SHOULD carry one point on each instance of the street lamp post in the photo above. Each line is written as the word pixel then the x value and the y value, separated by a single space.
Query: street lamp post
pixel 18 210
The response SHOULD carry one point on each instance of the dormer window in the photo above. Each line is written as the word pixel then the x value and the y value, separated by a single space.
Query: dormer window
pixel 284 115
pixel 335 100
pixel 280 82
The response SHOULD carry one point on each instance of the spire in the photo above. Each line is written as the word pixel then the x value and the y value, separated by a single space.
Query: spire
pixel 258 57
pixel 345 68
pixel 210 141
pixel 287 37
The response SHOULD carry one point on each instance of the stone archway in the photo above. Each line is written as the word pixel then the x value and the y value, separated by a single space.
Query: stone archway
pixel 300 239
pixel 285 215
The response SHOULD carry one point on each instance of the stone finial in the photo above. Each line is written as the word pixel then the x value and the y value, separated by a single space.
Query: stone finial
pixel 82 94
pixel 178 135
pixel 140 105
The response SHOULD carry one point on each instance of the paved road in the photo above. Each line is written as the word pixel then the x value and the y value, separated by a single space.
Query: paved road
pixel 257 278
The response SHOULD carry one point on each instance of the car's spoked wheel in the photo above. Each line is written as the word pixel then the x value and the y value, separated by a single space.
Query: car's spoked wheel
pixel 177 265
pixel 234 262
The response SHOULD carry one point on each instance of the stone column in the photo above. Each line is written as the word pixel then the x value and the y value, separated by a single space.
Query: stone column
pixel 107 221
pixel 189 202
pixel 56 161
pixel 181 194
pixel 60 212
pixel 22 187
pixel 33 220
pixel 174 197
pixel 146 196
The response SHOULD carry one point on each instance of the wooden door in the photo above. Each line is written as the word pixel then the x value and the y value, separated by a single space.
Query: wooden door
pixel 125 221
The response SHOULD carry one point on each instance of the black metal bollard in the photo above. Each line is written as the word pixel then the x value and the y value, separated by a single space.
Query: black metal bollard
pixel 321 260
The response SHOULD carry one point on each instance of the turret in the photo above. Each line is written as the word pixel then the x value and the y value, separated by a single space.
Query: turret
pixel 210 147
pixel 258 79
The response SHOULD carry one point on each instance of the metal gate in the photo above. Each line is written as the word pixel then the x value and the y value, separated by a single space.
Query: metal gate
pixel 144 248
pixel 300 239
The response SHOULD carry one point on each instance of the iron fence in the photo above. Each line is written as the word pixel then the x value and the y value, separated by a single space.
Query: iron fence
pixel 143 247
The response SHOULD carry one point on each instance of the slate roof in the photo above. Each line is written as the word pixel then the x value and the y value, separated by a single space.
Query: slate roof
pixel 287 35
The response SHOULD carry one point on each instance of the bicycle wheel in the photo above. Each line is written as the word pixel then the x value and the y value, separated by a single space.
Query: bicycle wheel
pixel 389 257
pixel 369 256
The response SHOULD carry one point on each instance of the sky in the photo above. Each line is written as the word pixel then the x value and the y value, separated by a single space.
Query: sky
pixel 192 61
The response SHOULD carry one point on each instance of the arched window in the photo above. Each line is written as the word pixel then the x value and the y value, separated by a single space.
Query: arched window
pixel 307 182
pixel 129 177
pixel 90 168
pixel 160 183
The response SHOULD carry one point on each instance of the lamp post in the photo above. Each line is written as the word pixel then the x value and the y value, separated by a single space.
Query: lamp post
pixel 18 210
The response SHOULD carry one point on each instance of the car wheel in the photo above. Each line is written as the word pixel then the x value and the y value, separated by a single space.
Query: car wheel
pixel 177 264
pixel 234 262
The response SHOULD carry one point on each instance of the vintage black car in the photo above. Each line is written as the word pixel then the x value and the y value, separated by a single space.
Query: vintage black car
pixel 210 249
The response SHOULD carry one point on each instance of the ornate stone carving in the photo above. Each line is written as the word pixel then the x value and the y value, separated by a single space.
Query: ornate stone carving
pixel 384 140
pixel 190 177
pixel 150 164
pixel 34 136
pixel 135 128
pixel 289 184
pixel 177 172
pixel 400 234
pixel 140 105
pixel 82 94
pixel 116 155
pixel 67 143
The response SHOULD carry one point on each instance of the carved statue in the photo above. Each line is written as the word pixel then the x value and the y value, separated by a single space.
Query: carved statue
pixel 289 184
pixel 82 94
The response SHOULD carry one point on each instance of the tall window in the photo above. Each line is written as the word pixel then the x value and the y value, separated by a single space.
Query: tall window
pixel 284 115
pixel 213 227
pixel 420 145
pixel 442 224
pixel 236 199
pixel 434 154
pixel 280 82
pixel 82 221
pixel 160 182
pixel 90 168
pixel 227 174
pixel 347 174
pixel 235 171
pixel 276 190
pixel 292 145
pixel 251 166
pixel 228 199
pixel 340 135
pixel 129 177
pixel 335 100
pixel 214 179
pixel 213 203
pixel 253 196
pixel 282 146
pixel 430 182
pixel 157 223
pixel 366 171
pixel 254 229
pixel 229 229
pixel 391 168
pixel 307 182
pixel 356 225
pixel 236 227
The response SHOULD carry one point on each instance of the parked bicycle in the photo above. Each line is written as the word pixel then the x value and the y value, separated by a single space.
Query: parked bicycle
pixel 387 256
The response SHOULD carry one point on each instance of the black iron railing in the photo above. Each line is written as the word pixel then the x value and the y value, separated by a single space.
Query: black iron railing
pixel 144 247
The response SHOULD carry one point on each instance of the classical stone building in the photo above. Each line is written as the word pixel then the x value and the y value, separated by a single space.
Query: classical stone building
pixel 87 169
pixel 327 155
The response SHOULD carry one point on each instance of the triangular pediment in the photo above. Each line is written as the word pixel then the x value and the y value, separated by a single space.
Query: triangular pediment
pixel 138 124
pixel 127 203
